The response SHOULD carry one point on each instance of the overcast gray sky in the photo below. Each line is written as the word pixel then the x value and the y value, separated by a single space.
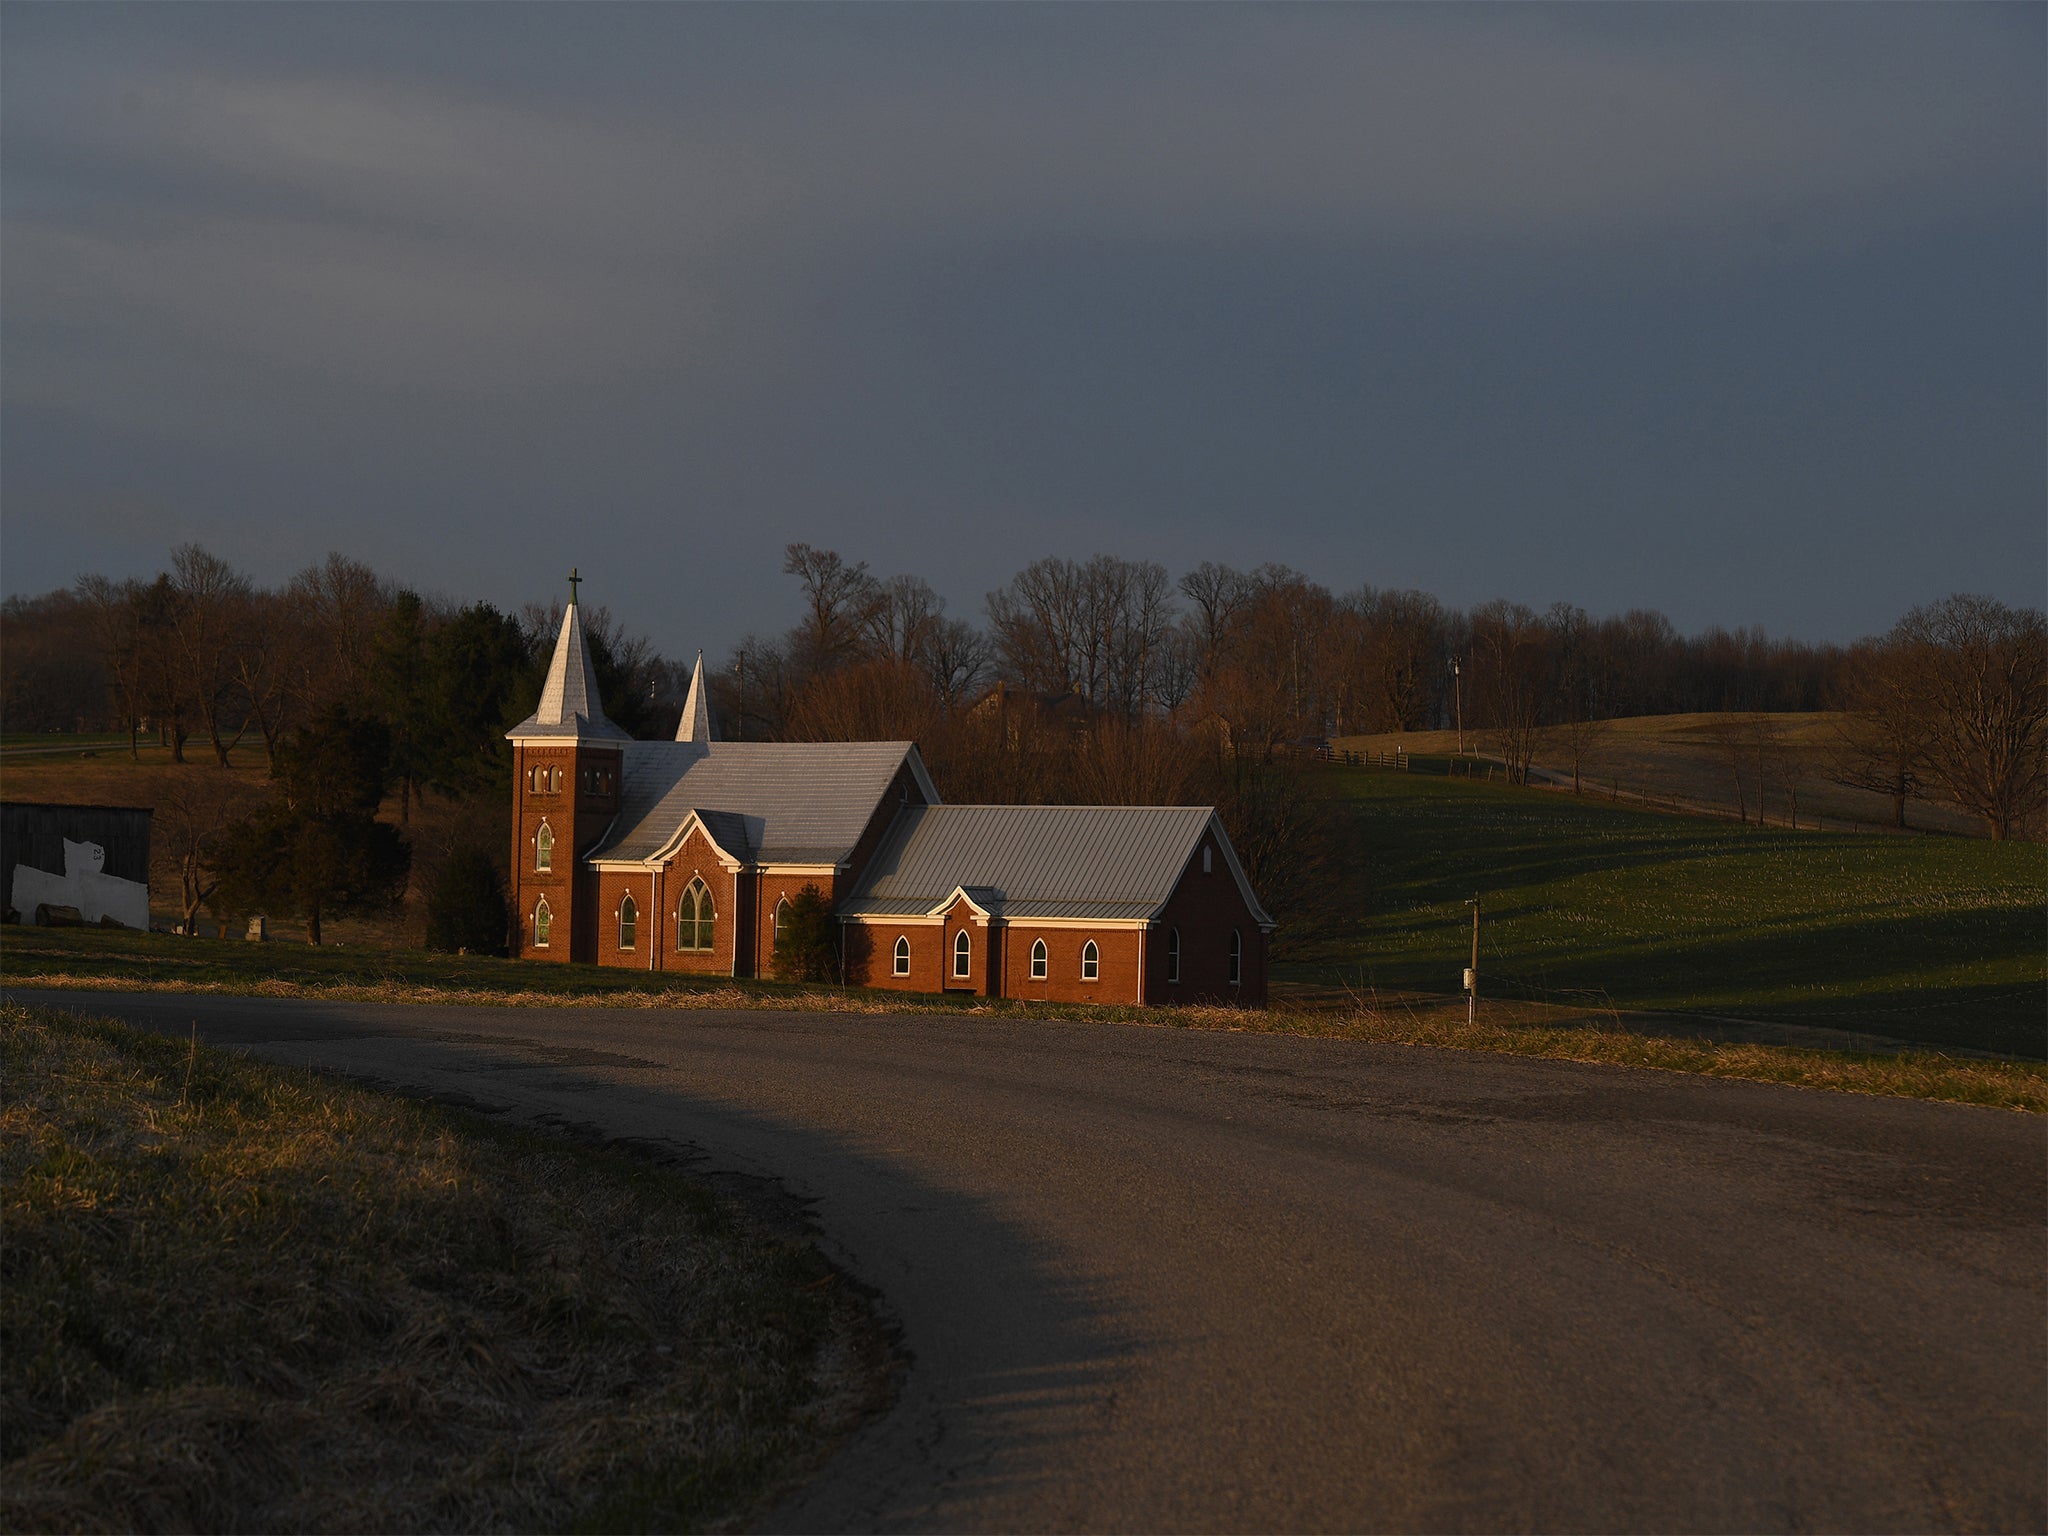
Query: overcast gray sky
pixel 1733 311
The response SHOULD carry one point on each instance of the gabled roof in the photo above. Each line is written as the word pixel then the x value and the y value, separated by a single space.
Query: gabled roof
pixel 767 802
pixel 1105 863
pixel 569 704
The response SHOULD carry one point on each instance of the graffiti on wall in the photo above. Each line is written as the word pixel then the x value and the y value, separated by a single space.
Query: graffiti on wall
pixel 84 885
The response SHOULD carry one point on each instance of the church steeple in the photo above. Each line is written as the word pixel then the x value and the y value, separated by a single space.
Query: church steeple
pixel 698 723
pixel 569 703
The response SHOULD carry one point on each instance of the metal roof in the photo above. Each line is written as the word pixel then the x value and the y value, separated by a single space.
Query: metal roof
pixel 767 802
pixel 1085 862
pixel 569 704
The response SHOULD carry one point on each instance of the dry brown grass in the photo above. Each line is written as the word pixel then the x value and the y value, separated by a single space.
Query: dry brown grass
pixel 1596 1034
pixel 240 1298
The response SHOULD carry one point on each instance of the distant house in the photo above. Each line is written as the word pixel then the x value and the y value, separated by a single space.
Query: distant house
pixel 1028 716
pixel 682 856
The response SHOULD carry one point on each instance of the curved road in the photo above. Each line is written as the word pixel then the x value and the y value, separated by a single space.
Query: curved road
pixel 1150 1279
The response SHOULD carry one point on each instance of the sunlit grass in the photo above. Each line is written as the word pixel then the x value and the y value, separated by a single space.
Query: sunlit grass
pixel 242 1298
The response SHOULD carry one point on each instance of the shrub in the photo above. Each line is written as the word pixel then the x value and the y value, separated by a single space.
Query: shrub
pixel 804 945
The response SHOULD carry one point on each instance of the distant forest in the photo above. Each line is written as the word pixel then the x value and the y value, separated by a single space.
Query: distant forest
pixel 1105 680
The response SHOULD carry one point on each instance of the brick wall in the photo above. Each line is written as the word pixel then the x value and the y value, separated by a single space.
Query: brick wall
pixel 1118 964
pixel 1206 908
pixel 576 814
pixel 871 951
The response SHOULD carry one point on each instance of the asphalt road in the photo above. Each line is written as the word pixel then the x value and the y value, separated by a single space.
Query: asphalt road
pixel 1150 1279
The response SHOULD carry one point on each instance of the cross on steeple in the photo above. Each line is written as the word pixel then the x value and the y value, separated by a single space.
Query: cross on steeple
pixel 573 580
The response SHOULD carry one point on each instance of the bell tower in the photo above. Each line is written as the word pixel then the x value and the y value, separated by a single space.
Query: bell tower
pixel 568 765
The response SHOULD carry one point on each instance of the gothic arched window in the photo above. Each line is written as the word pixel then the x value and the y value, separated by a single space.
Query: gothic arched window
pixel 963 955
pixel 696 918
pixel 1173 954
pixel 902 955
pixel 543 920
pixel 1236 957
pixel 1038 960
pixel 629 922
pixel 544 848
pixel 1091 961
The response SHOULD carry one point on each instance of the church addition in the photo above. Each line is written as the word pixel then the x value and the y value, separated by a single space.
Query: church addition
pixel 682 856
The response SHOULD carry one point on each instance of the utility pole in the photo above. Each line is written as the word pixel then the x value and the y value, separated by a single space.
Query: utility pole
pixel 1472 972
pixel 1458 695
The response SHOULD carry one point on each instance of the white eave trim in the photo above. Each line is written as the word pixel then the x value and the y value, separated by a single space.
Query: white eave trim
pixel 959 895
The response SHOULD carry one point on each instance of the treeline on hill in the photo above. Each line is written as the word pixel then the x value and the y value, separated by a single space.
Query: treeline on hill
pixel 1097 681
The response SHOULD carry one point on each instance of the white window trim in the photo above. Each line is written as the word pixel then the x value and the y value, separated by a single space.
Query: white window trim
pixel 1039 966
pixel 902 955
pixel 963 955
pixel 1091 961
pixel 542 930
pixel 544 849
pixel 627 905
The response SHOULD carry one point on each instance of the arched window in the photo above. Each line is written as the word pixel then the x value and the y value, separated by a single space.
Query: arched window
pixel 1236 956
pixel 554 777
pixel 781 915
pixel 963 954
pixel 1091 961
pixel 696 919
pixel 1038 960
pixel 544 848
pixel 543 920
pixel 902 955
pixel 1173 954
pixel 1205 858
pixel 629 921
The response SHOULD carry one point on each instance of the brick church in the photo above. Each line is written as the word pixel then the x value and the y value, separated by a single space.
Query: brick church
pixel 683 855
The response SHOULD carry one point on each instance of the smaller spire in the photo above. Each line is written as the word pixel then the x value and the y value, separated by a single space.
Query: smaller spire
pixel 698 723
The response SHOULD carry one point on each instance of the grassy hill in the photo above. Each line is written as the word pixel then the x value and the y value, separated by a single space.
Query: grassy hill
pixel 1679 757
pixel 1932 939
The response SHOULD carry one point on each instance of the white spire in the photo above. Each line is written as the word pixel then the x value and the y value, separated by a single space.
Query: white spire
pixel 569 704
pixel 698 723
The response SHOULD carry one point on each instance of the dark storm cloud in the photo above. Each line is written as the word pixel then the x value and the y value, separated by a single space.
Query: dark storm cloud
pixel 1731 311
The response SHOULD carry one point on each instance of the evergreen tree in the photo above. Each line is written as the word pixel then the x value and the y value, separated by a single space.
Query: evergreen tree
pixel 805 944
pixel 478 665
pixel 319 849
pixel 467 909
pixel 400 685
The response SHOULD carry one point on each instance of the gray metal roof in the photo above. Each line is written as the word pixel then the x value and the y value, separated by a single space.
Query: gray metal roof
pixel 569 704
pixel 1087 862
pixel 769 802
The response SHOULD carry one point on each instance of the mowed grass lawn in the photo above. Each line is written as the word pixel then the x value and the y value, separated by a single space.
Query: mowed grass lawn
pixel 1934 939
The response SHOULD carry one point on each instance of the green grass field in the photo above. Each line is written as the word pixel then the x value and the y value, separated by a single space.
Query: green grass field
pixel 1934 939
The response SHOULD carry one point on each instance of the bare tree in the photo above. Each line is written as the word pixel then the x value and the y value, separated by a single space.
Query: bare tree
pixel 1882 737
pixel 208 625
pixel 1513 680
pixel 1980 670
pixel 840 602
pixel 1219 596
pixel 117 612
pixel 339 604
pixel 191 819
